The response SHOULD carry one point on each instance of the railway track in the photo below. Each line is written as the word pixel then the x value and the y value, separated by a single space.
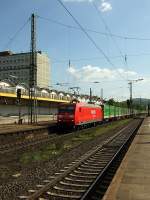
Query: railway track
pixel 79 179
pixel 7 148
pixel 29 138
pixel 30 141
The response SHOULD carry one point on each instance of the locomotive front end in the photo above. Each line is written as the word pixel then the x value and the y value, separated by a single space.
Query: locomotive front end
pixel 66 115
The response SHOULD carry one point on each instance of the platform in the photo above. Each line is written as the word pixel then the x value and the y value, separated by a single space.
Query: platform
pixel 14 132
pixel 132 180
pixel 14 119
pixel 12 128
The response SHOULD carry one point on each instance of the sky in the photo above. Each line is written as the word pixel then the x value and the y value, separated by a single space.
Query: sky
pixel 107 42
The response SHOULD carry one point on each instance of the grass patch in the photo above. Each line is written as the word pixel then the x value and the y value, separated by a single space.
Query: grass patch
pixel 97 131
pixel 49 151
pixel 44 153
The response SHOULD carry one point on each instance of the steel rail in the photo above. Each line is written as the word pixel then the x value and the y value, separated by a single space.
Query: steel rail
pixel 74 165
pixel 91 190
pixel 10 147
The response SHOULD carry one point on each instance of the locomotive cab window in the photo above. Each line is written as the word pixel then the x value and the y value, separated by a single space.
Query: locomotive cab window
pixel 68 109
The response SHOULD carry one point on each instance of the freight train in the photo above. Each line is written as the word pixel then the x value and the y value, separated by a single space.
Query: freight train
pixel 79 114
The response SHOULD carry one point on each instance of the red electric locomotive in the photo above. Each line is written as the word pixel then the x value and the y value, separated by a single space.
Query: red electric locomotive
pixel 79 114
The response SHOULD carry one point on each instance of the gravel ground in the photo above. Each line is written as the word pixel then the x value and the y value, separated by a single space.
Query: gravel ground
pixel 26 176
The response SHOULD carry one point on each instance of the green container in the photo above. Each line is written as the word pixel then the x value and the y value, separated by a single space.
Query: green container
pixel 112 111
pixel 109 111
pixel 106 111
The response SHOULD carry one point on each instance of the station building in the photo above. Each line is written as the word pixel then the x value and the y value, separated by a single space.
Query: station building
pixel 18 65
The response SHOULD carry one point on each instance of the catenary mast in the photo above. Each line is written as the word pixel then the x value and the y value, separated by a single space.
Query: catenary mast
pixel 33 74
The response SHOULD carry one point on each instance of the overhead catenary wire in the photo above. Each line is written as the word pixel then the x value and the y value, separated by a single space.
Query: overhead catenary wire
pixel 108 29
pixel 124 56
pixel 94 31
pixel 89 37
pixel 99 58
pixel 15 35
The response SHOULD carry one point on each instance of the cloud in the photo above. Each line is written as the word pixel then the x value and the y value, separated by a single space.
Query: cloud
pixel 90 73
pixel 78 0
pixel 105 6
pixel 110 79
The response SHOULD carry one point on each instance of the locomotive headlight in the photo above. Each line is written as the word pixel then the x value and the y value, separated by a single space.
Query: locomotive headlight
pixel 71 116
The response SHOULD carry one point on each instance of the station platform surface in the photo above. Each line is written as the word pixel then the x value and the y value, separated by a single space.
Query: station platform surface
pixel 132 180
pixel 14 119
pixel 9 128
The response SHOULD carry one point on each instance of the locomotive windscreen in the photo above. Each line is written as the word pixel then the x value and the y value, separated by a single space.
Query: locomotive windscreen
pixel 67 108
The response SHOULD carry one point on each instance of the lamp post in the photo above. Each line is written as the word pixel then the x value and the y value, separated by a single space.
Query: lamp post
pixel 75 90
pixel 60 84
pixel 131 88
pixel 90 95
pixel 101 91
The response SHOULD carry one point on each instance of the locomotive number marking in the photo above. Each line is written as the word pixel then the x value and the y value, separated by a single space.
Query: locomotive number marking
pixel 93 112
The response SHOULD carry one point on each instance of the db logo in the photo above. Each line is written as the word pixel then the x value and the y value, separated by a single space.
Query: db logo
pixel 93 112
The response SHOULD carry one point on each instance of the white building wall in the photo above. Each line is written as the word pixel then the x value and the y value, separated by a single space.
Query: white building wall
pixel 9 114
pixel 13 110
pixel 19 65
pixel 43 71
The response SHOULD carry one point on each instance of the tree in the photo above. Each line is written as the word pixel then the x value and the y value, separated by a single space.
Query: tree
pixel 111 101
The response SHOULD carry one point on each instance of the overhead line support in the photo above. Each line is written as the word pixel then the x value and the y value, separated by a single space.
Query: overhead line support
pixel 33 74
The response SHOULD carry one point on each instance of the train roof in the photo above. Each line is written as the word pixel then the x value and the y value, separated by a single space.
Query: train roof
pixel 82 104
